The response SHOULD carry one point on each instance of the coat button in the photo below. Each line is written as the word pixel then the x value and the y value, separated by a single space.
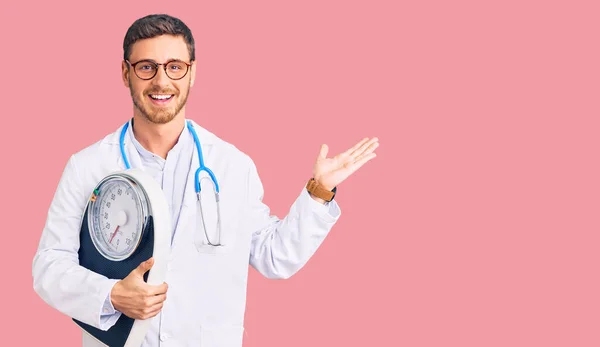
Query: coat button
pixel 163 337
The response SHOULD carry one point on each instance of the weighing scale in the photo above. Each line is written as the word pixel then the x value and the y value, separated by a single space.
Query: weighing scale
pixel 126 221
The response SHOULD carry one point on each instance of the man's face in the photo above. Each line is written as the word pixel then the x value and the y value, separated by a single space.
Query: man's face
pixel 160 98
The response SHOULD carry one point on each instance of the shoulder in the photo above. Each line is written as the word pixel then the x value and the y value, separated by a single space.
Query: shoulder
pixel 236 157
pixel 96 159
pixel 98 150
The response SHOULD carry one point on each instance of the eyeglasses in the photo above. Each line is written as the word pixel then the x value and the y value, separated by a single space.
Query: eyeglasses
pixel 147 69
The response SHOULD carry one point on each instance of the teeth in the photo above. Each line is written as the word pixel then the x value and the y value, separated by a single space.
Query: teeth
pixel 160 97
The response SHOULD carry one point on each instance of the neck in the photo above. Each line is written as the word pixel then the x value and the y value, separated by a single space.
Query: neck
pixel 158 138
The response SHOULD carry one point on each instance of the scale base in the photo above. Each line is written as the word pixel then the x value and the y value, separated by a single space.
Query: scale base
pixel 122 331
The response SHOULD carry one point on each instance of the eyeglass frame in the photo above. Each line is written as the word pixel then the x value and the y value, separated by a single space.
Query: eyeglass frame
pixel 188 65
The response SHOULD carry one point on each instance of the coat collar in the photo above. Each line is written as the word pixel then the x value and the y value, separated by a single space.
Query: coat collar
pixel 205 136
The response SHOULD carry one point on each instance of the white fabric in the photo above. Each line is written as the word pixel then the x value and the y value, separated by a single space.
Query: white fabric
pixel 207 289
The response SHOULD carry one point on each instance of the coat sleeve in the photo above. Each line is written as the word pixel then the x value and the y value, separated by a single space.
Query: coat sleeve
pixel 57 276
pixel 281 247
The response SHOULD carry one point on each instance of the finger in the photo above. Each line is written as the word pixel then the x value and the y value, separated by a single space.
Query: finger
pixel 144 267
pixel 153 311
pixel 323 151
pixel 156 299
pixel 150 312
pixel 362 160
pixel 369 149
pixel 356 146
pixel 364 146
pixel 157 290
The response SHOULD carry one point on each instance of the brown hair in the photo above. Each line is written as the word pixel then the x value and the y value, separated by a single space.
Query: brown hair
pixel 155 25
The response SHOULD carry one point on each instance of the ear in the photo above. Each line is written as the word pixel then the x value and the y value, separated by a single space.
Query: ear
pixel 193 73
pixel 125 73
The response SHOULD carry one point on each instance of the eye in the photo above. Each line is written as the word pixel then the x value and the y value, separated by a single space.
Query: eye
pixel 176 66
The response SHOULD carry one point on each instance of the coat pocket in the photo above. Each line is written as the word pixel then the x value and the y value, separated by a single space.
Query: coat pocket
pixel 216 227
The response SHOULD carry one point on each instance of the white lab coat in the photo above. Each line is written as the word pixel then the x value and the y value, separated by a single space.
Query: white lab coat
pixel 207 291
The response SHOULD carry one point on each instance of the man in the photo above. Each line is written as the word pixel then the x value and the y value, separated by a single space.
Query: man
pixel 202 302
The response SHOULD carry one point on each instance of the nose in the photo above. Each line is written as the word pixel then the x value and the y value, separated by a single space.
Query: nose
pixel 161 78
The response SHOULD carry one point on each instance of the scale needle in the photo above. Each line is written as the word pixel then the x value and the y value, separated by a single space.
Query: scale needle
pixel 115 233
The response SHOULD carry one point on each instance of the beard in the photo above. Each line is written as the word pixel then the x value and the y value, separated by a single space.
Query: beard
pixel 154 114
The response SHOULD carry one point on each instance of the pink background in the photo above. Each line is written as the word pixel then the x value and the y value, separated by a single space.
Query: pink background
pixel 477 224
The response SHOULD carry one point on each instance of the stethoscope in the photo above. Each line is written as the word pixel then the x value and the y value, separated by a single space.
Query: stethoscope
pixel 196 178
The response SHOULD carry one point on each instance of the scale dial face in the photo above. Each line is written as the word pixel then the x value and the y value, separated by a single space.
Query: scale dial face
pixel 117 217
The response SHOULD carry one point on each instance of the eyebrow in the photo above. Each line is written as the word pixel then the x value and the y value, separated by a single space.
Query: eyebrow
pixel 154 61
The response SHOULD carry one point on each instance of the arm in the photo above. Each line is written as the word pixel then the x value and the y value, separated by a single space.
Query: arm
pixel 280 248
pixel 57 276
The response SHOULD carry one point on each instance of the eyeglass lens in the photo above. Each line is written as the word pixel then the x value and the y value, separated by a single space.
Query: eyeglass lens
pixel 175 69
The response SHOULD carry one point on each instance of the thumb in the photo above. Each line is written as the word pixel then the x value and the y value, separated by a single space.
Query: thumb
pixel 144 267
pixel 323 152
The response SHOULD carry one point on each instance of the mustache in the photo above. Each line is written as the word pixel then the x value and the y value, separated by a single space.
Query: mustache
pixel 160 91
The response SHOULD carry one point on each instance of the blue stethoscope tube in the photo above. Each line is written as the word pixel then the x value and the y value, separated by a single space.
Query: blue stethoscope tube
pixel 196 176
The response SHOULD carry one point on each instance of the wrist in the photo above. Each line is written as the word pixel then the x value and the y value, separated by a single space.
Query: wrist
pixel 114 293
pixel 325 186
pixel 319 191
pixel 316 198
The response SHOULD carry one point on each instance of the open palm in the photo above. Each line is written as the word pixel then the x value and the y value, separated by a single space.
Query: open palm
pixel 330 172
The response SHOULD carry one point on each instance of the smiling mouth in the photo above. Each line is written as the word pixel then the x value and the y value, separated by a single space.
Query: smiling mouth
pixel 161 97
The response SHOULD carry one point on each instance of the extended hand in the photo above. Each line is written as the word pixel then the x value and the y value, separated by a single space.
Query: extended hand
pixel 330 172
pixel 135 298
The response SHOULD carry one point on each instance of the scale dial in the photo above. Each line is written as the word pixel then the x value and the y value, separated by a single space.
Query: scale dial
pixel 117 216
